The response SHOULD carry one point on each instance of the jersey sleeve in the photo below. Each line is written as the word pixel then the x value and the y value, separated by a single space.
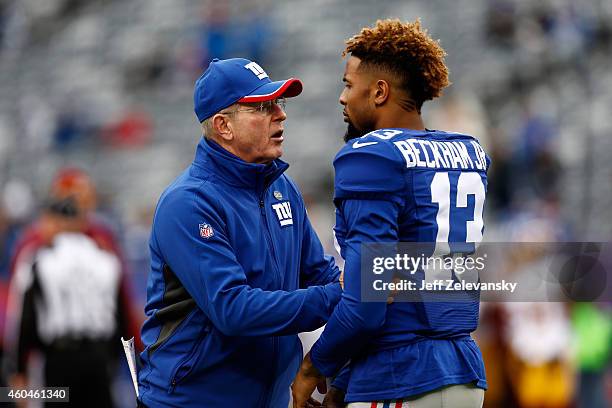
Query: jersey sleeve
pixel 369 169
pixel 354 323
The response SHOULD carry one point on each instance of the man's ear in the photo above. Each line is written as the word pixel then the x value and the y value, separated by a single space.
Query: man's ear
pixel 381 92
pixel 223 127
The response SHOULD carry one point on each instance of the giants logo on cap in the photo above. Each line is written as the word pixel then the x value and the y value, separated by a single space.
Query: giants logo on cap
pixel 256 69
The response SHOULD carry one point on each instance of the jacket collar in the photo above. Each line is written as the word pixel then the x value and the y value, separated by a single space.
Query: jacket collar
pixel 233 170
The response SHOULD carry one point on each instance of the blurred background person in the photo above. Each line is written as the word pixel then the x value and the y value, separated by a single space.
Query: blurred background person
pixel 592 324
pixel 539 362
pixel 76 184
pixel 16 210
pixel 69 310
pixel 74 188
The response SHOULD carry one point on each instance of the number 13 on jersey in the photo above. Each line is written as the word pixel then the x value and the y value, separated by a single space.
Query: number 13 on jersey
pixel 448 218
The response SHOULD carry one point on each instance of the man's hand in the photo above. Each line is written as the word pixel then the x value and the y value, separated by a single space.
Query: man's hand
pixel 19 381
pixel 308 378
pixel 334 398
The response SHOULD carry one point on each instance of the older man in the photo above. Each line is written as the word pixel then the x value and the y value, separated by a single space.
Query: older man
pixel 237 270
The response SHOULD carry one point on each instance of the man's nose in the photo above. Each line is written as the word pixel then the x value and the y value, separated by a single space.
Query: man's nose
pixel 342 99
pixel 278 113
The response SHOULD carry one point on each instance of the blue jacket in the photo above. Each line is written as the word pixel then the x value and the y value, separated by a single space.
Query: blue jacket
pixel 236 272
pixel 400 185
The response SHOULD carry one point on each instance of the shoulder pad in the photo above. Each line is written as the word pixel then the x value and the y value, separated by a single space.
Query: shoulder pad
pixel 368 167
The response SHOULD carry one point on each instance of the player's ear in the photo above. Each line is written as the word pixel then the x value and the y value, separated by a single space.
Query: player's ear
pixel 381 92
pixel 222 126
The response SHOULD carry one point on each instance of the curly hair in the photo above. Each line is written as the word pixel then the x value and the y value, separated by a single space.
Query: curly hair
pixel 406 51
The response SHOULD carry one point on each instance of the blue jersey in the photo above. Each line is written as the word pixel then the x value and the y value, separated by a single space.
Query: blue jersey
pixel 400 185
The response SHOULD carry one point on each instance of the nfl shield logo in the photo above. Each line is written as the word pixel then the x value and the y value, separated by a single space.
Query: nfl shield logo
pixel 206 231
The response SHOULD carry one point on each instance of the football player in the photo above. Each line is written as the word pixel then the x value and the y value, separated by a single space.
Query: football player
pixel 398 181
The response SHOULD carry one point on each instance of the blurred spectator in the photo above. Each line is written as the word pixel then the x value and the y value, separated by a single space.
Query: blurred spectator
pixel 502 172
pixel 70 309
pixel 75 183
pixel 255 32
pixel 490 339
pixel 539 361
pixel 133 129
pixel 16 206
pixel 215 31
pixel 226 33
pixel 69 130
pixel 539 167
pixel 70 183
pixel 593 330
pixel 500 23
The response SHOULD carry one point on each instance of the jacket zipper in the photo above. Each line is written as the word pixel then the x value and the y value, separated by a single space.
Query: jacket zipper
pixel 262 208
pixel 268 393
pixel 269 237
pixel 177 376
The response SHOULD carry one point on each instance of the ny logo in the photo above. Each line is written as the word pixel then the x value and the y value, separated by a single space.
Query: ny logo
pixel 283 212
pixel 256 69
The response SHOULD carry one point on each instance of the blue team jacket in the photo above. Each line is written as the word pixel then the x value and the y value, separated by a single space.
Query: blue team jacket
pixel 401 185
pixel 234 268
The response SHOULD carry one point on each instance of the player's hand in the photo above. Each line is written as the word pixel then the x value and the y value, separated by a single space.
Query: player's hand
pixel 393 293
pixel 334 398
pixel 308 378
pixel 391 297
pixel 312 403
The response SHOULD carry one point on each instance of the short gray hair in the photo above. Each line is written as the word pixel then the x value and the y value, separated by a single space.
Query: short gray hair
pixel 207 127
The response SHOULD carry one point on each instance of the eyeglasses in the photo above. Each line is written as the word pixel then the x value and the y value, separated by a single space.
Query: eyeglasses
pixel 266 107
